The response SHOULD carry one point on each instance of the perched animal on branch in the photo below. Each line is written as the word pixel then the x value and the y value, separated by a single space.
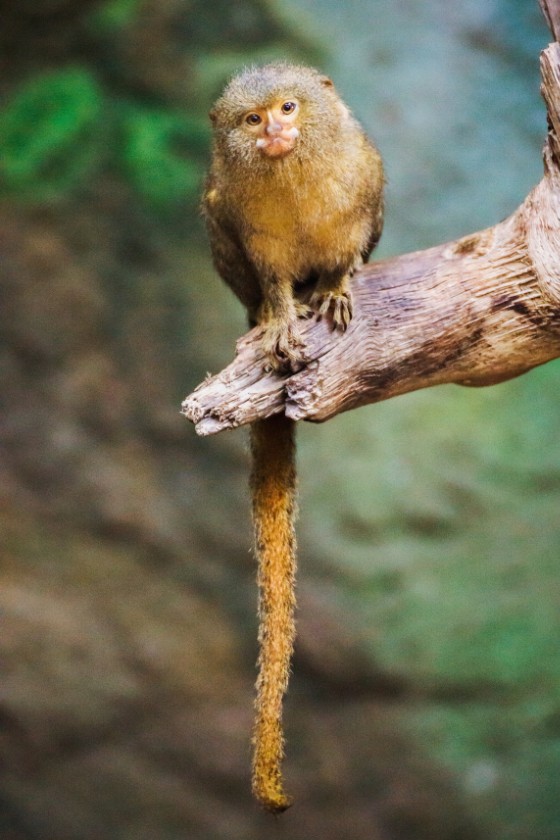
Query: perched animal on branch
pixel 293 205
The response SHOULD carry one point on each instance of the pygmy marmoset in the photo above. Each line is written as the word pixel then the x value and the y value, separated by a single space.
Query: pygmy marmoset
pixel 293 205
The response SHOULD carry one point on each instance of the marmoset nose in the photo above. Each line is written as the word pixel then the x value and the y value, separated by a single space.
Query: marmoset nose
pixel 273 126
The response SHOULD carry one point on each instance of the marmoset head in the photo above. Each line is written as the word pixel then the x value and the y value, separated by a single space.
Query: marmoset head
pixel 269 112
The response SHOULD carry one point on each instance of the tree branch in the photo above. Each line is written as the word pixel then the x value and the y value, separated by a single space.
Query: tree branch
pixel 476 311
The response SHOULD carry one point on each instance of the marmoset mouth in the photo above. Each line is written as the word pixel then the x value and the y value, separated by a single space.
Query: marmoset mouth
pixel 276 146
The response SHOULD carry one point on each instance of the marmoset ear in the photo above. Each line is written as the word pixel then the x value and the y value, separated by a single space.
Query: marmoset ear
pixel 326 81
pixel 212 114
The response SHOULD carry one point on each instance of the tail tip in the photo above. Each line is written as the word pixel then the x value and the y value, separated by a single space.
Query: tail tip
pixel 271 797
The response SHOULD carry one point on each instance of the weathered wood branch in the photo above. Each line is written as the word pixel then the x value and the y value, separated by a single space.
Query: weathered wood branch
pixel 476 311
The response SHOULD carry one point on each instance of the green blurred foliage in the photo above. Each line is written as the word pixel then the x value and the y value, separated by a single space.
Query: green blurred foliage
pixel 53 138
pixel 150 151
pixel 50 134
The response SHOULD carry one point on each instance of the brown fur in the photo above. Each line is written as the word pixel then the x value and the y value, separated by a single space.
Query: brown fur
pixel 286 234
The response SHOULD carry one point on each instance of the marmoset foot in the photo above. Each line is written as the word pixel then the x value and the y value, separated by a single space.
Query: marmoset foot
pixel 283 346
pixel 337 306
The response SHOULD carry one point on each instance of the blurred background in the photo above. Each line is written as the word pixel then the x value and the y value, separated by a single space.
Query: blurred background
pixel 425 699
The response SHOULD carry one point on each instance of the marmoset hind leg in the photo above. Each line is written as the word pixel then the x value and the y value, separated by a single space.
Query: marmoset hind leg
pixel 279 314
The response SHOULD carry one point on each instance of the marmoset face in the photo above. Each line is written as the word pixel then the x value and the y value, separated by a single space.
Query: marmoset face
pixel 274 127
